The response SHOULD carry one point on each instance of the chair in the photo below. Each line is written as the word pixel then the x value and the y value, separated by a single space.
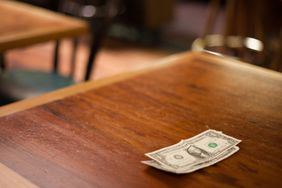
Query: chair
pixel 99 14
pixel 21 84
pixel 250 32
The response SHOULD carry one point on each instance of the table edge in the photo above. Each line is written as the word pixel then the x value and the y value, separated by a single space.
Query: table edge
pixel 19 40
pixel 11 179
pixel 164 62
pixel 84 86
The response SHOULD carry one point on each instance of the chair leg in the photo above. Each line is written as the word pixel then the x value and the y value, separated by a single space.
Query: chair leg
pixel 97 39
pixel 56 56
pixel 2 62
pixel 73 57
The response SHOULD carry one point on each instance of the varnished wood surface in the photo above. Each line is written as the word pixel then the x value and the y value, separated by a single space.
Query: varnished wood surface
pixel 97 138
pixel 23 24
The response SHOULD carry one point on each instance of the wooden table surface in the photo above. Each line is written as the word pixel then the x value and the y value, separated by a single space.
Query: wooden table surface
pixel 97 137
pixel 23 24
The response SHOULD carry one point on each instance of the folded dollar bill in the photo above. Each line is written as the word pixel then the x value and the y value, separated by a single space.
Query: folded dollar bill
pixel 202 150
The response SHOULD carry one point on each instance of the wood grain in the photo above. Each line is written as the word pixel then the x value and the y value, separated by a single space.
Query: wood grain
pixel 97 138
pixel 23 24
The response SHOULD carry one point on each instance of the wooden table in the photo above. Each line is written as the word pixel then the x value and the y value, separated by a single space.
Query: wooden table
pixel 97 136
pixel 23 24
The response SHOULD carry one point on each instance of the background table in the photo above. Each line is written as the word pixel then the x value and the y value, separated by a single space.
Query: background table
pixel 97 137
pixel 23 24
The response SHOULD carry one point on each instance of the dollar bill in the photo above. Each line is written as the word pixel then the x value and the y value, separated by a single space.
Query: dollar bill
pixel 225 154
pixel 199 149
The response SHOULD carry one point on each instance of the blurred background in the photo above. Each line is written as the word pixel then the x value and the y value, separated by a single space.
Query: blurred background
pixel 135 33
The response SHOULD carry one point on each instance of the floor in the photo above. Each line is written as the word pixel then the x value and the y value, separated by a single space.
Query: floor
pixel 115 57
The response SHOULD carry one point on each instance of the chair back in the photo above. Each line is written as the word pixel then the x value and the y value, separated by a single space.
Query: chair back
pixel 251 32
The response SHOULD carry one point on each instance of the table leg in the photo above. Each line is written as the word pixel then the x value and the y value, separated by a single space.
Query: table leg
pixel 2 62
pixel 56 56
pixel 73 57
